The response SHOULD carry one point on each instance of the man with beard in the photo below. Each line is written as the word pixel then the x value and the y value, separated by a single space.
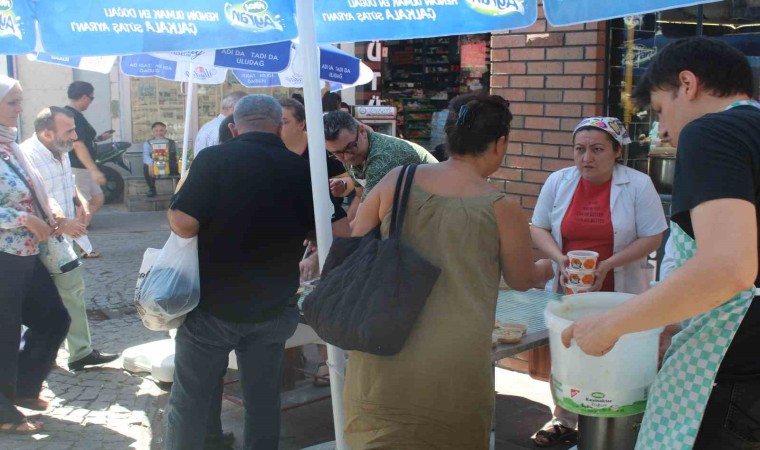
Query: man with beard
pixel 47 150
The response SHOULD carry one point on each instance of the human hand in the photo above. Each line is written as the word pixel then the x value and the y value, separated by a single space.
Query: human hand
pixel 38 227
pixel 309 267
pixel 592 334
pixel 73 228
pixel 602 268
pixel 99 177
pixel 338 187
pixel 151 171
pixel 562 262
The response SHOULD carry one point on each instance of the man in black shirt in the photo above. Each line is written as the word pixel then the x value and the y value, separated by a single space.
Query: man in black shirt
pixel 702 90
pixel 249 203
pixel 87 176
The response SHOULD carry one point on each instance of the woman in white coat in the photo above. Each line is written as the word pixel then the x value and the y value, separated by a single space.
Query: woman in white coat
pixel 603 206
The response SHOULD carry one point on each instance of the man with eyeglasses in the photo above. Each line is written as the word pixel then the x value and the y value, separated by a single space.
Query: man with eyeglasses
pixel 87 176
pixel 367 156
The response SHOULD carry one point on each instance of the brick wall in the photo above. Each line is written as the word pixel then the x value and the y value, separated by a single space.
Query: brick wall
pixel 553 77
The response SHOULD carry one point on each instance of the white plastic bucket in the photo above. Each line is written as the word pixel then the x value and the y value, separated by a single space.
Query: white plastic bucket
pixel 613 385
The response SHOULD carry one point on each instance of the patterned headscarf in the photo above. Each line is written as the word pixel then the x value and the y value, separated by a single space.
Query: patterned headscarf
pixel 611 125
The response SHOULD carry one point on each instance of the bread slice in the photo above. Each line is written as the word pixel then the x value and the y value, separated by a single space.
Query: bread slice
pixel 508 333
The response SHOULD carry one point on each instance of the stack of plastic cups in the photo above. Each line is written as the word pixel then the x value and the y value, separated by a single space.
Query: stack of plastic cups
pixel 580 271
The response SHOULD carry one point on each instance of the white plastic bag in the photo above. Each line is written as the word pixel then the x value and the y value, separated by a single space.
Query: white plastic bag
pixel 168 286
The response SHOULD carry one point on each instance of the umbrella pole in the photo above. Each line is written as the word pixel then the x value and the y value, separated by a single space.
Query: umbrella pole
pixel 323 208
pixel 188 114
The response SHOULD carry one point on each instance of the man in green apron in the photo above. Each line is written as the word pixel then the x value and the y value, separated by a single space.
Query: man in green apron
pixel 707 394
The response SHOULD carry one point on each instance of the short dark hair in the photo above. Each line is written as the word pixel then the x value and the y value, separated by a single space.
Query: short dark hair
pixel 224 130
pixel 79 88
pixel 335 121
pixel 296 107
pixel 330 101
pixel 155 124
pixel 298 97
pixel 480 121
pixel 45 120
pixel 721 69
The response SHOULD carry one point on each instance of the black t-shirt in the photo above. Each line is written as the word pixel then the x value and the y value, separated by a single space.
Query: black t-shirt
pixel 719 157
pixel 86 134
pixel 252 197
pixel 334 168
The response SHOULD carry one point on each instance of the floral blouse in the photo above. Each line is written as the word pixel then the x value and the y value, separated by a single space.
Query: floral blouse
pixel 16 204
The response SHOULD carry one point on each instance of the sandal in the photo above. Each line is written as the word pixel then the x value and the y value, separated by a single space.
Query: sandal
pixel 36 404
pixel 91 255
pixel 23 426
pixel 555 433
pixel 322 379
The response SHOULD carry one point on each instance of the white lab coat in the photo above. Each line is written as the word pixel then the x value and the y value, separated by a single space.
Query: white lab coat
pixel 636 212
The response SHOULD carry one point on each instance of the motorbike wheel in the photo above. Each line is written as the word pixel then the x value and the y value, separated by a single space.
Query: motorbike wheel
pixel 114 188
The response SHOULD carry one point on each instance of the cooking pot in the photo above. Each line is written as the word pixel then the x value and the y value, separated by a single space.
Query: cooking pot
pixel 661 171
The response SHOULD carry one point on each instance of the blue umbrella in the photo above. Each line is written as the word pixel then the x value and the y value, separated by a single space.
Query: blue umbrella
pixel 97 27
pixel 254 66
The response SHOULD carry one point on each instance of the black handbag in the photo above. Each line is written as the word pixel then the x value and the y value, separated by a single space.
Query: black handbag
pixel 372 290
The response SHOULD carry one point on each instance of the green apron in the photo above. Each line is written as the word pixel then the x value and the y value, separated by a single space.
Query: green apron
pixel 679 394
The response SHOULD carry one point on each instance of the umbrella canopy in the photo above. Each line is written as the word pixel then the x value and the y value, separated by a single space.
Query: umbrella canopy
pixel 99 27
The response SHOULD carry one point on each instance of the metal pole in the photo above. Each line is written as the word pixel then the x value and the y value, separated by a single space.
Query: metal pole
pixel 188 116
pixel 336 360
pixel 700 20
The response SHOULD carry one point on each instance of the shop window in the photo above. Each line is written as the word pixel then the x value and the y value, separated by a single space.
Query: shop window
pixel 633 42
pixel 155 99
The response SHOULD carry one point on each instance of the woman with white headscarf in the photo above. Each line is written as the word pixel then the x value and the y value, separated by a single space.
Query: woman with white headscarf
pixel 601 205
pixel 27 293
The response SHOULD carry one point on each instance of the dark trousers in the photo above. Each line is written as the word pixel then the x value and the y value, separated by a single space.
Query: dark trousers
pixel 203 344
pixel 149 179
pixel 732 418
pixel 29 297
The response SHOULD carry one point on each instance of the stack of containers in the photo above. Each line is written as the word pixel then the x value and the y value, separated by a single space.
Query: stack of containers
pixel 580 271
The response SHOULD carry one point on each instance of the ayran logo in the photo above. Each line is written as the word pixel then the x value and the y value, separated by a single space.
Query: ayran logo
pixel 252 15
pixel 203 73
pixel 497 7
pixel 598 395
pixel 9 25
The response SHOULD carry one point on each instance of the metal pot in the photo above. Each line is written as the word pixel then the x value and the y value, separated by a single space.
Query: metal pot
pixel 661 171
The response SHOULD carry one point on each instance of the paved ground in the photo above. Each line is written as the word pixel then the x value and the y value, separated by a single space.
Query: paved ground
pixel 105 408
pixel 109 409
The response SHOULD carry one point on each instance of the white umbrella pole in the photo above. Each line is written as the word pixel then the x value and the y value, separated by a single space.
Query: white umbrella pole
pixel 188 118
pixel 323 207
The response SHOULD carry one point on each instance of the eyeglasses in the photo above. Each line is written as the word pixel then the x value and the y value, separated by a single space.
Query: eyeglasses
pixel 349 148
pixel 91 97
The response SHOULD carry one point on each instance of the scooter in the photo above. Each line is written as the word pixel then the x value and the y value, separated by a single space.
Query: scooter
pixel 113 152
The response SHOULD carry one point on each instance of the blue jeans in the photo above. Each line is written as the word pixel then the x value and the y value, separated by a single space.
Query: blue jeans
pixel 203 344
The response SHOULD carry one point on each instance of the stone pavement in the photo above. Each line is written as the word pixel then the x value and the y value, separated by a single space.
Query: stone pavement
pixel 105 408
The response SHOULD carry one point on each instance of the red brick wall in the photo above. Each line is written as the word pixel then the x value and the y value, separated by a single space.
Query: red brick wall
pixel 553 77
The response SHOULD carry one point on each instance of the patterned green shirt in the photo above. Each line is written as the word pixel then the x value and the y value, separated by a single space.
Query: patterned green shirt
pixel 385 154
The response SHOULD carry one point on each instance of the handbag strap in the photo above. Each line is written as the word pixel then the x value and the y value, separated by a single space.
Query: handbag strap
pixel 401 199
pixel 7 160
